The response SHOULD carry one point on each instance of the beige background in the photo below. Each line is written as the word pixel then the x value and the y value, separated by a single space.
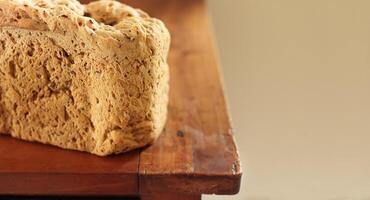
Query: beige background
pixel 297 75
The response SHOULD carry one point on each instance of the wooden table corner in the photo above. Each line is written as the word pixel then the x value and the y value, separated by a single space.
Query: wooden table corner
pixel 196 153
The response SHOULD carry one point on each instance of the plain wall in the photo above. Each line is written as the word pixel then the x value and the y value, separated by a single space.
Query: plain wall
pixel 297 77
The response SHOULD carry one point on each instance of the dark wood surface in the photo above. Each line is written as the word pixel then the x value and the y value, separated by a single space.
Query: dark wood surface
pixel 196 153
pixel 35 169
pixel 70 198
pixel 166 196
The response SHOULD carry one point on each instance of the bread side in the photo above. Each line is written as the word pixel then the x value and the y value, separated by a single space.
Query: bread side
pixel 86 77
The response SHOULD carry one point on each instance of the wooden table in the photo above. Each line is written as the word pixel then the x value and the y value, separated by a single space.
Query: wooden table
pixel 196 154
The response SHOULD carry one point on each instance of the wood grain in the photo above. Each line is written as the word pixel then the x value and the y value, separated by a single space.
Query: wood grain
pixel 36 169
pixel 66 198
pixel 167 196
pixel 196 153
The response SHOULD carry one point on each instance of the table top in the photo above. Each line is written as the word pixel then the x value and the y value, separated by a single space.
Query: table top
pixel 196 152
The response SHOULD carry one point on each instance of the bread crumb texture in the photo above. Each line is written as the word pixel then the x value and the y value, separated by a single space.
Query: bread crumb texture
pixel 89 77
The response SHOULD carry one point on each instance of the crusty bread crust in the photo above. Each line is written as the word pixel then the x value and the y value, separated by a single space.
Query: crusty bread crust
pixel 90 77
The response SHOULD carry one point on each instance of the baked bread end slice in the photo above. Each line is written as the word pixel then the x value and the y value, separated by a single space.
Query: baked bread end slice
pixel 89 77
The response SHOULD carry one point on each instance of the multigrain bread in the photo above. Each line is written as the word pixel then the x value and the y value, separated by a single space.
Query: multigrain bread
pixel 90 77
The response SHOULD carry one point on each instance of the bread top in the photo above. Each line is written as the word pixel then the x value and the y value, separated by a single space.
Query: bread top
pixel 107 25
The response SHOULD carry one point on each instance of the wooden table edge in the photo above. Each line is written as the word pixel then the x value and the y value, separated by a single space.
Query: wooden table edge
pixel 219 184
pixel 69 184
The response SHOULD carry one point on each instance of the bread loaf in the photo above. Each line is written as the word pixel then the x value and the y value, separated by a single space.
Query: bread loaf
pixel 89 77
